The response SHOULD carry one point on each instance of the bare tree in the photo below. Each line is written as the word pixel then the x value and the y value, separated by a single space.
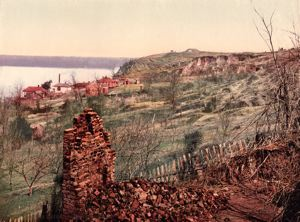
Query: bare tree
pixel 10 161
pixel 77 93
pixel 284 103
pixel 4 116
pixel 295 39
pixel 17 99
pixel 12 131
pixel 223 128
pixel 173 90
pixel 136 143
pixel 266 33
pixel 149 79
pixel 34 165
pixel 98 86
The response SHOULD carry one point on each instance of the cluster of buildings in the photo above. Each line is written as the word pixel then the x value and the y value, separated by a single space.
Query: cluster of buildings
pixel 95 88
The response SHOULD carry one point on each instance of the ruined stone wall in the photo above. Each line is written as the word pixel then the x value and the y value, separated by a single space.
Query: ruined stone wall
pixel 88 162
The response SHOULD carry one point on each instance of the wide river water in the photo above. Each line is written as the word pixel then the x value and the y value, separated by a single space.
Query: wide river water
pixel 11 76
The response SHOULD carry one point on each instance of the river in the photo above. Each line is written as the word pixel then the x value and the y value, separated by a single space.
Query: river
pixel 10 76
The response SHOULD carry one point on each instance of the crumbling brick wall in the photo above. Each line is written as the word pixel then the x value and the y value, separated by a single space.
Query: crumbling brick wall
pixel 88 162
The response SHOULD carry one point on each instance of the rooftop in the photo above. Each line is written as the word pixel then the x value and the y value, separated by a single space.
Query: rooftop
pixel 34 89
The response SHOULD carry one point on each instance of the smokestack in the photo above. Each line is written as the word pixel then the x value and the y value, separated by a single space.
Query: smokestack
pixel 59 78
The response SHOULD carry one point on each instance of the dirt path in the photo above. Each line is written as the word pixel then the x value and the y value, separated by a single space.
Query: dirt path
pixel 247 205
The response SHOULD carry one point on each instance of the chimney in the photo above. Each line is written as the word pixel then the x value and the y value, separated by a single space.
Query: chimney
pixel 59 78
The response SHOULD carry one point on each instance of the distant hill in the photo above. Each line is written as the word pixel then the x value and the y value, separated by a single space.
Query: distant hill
pixel 195 62
pixel 60 61
pixel 161 62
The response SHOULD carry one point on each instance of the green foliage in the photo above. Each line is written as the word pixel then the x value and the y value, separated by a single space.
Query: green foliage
pixel 20 129
pixel 215 79
pixel 187 86
pixel 56 202
pixel 229 105
pixel 97 103
pixel 211 105
pixel 71 107
pixel 47 85
pixel 192 140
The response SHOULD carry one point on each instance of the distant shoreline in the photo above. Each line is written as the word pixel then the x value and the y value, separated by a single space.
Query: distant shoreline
pixel 11 76
pixel 55 67
pixel 62 62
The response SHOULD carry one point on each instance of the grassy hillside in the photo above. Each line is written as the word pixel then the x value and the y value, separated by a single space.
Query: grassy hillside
pixel 159 63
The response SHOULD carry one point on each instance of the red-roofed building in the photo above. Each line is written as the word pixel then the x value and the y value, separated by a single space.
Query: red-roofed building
pixel 62 87
pixel 80 85
pixel 80 88
pixel 108 82
pixel 35 92
pixel 104 90
pixel 93 89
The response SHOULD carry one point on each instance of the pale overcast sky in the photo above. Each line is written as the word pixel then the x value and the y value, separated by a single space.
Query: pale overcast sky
pixel 133 28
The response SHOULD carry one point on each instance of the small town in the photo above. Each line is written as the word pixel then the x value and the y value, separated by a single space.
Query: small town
pixel 102 86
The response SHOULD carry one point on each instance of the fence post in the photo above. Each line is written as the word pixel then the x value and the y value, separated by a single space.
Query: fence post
pixel 166 169
pixel 230 149
pixel 206 156
pixel 221 151
pixel 154 173
pixel 245 146
pixel 214 152
pixel 174 169
pixel 162 173
pixel 158 174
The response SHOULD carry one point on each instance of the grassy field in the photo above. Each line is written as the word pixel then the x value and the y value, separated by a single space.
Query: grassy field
pixel 200 102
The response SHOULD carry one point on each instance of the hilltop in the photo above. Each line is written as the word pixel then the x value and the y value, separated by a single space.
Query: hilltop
pixel 161 62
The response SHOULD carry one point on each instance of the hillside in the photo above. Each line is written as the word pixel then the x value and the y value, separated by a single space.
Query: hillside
pixel 148 134
pixel 158 63
pixel 194 62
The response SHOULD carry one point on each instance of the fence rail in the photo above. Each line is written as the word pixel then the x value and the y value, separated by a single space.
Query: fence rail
pixel 31 217
pixel 180 166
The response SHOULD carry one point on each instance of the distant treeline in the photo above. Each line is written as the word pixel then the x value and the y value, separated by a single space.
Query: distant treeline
pixel 64 62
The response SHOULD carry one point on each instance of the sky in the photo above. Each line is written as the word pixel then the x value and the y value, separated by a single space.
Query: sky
pixel 135 28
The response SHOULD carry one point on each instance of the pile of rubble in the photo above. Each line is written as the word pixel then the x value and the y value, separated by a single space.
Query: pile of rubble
pixel 140 200
pixel 88 162
pixel 91 194
pixel 277 161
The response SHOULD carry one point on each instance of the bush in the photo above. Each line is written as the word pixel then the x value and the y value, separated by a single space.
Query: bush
pixel 215 79
pixel 211 105
pixel 187 86
pixel 97 103
pixel 20 129
pixel 192 140
pixel 234 105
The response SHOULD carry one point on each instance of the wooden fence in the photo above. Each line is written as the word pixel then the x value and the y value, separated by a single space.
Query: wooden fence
pixel 181 166
pixel 31 217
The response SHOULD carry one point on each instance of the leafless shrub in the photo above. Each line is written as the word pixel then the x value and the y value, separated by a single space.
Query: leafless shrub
pixel 4 117
pixel 136 143
pixel 173 90
pixel 35 164
pixel 223 126
pixel 283 106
